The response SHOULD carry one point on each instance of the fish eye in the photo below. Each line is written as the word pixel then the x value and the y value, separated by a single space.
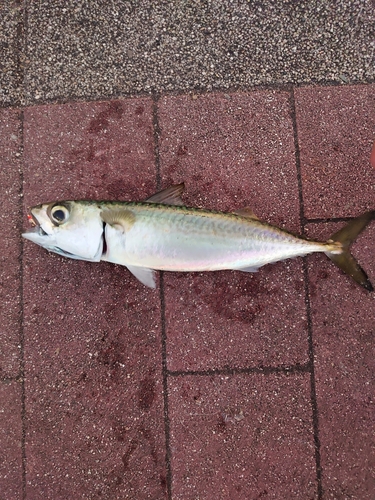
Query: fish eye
pixel 59 214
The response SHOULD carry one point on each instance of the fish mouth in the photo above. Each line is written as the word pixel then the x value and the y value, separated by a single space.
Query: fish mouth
pixel 36 233
pixel 36 227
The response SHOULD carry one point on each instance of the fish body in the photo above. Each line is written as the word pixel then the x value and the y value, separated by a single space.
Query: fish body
pixel 183 239
pixel 160 234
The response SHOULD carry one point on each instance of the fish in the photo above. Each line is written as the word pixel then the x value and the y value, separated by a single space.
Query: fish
pixel 161 233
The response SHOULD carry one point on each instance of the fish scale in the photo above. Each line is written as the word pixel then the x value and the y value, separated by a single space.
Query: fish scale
pixel 175 239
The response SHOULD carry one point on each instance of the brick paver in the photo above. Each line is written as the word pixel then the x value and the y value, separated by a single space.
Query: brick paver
pixel 10 242
pixel 11 472
pixel 215 385
pixel 231 155
pixel 242 436
pixel 336 132
pixel 344 371
pixel 92 332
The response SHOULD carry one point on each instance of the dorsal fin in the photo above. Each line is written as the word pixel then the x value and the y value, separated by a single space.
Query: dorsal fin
pixel 246 212
pixel 168 196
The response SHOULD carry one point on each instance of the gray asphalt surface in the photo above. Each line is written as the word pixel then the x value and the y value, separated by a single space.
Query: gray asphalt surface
pixel 54 50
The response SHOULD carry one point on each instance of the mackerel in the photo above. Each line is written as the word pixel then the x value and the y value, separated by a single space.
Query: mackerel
pixel 162 234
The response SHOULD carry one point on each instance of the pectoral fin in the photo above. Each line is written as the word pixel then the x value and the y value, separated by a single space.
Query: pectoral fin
pixel 252 269
pixel 169 196
pixel 144 275
pixel 121 219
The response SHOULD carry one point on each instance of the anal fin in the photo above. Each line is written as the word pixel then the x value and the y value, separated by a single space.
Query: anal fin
pixel 249 269
pixel 144 275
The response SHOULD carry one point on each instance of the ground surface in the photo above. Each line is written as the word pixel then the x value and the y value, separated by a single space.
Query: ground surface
pixel 213 386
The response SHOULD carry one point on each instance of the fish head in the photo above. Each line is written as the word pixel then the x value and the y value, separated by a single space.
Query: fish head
pixel 70 228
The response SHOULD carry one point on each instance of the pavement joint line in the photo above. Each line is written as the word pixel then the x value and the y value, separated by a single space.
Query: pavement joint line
pixel 165 390
pixel 9 380
pixel 303 222
pixel 297 158
pixel 313 398
pixel 263 370
pixel 156 129
pixel 282 87
pixel 21 316
pixel 328 220
pixel 156 133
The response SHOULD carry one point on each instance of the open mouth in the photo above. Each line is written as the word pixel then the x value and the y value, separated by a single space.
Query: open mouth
pixel 35 225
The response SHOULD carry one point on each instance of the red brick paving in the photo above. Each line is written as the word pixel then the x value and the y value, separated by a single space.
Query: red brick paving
pixel 99 349
pixel 239 312
pixel 11 474
pixel 93 385
pixel 344 370
pixel 242 436
pixel 336 132
pixel 232 151
pixel 231 154
pixel 89 150
pixel 10 242
pixel 11 440
pixel 92 333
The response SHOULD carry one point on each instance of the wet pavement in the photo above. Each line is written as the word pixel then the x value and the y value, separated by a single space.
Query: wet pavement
pixel 221 385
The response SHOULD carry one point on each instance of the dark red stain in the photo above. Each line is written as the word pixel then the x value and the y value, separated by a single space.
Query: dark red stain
pixel 119 430
pixel 91 151
pixel 171 170
pixel 131 449
pixel 224 297
pixel 298 286
pixel 101 121
pixel 78 153
pixel 249 314
pixel 139 110
pixel 117 190
pixel 163 481
pixel 323 275
pixel 182 150
pixel 312 289
pixel 84 152
pixel 146 393
pixel 147 434
pixel 111 354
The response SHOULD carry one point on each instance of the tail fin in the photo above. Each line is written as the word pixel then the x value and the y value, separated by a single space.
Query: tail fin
pixel 345 260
